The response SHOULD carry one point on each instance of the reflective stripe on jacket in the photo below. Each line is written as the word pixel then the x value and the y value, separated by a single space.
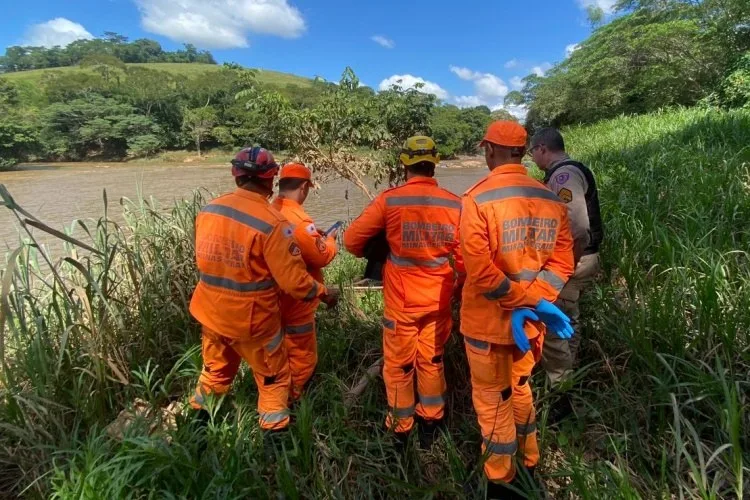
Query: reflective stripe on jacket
pixel 517 249
pixel 421 224
pixel 245 255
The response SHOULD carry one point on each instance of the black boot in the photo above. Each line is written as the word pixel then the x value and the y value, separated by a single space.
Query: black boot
pixel 561 409
pixel 529 479
pixel 202 418
pixel 504 491
pixel 402 439
pixel 428 432
pixel 272 442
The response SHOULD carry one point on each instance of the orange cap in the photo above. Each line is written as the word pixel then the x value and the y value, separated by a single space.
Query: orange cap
pixel 295 171
pixel 505 133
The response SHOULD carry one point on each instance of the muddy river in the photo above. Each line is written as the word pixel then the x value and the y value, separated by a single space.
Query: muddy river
pixel 58 195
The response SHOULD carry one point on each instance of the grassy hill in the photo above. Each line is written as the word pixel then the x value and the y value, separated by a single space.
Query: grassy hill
pixel 187 70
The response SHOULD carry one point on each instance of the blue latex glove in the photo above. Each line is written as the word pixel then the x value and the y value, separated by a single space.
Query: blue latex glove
pixel 556 320
pixel 518 318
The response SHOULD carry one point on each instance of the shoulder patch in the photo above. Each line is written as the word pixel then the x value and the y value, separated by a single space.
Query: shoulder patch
pixel 562 178
pixel 565 195
pixel 311 229
pixel 287 231
pixel 322 248
pixel 294 249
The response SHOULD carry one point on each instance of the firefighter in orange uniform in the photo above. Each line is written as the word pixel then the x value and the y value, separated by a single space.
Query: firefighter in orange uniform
pixel 298 316
pixel 518 252
pixel 420 221
pixel 246 255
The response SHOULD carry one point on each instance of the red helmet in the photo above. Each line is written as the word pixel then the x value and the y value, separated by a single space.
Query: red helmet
pixel 255 162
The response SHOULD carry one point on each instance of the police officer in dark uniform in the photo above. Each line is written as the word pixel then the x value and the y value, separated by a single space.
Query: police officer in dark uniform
pixel 574 183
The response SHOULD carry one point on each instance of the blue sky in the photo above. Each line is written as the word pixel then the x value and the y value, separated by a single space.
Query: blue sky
pixel 469 52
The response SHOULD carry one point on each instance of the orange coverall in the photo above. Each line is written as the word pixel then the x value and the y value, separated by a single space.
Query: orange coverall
pixel 421 224
pixel 298 316
pixel 517 249
pixel 245 255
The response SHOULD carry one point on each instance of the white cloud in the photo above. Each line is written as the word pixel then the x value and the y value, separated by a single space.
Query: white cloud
pixel 608 6
pixel 58 31
pixel 569 49
pixel 410 81
pixel 383 41
pixel 490 90
pixel 464 73
pixel 220 24
pixel 516 83
pixel 519 112
pixel 468 101
pixel 541 69
pixel 487 85
pixel 511 64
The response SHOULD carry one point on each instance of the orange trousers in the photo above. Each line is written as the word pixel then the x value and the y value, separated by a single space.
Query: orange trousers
pixel 266 355
pixel 414 344
pixel 302 347
pixel 504 404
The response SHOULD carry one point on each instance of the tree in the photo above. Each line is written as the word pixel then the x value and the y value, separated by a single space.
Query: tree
pixel 734 91
pixel 144 145
pixel 139 51
pixel 198 122
pixel 107 66
pixel 17 139
pixel 148 88
pixel 327 136
pixel 635 64
pixel 448 131
pixel 503 114
pixel 93 125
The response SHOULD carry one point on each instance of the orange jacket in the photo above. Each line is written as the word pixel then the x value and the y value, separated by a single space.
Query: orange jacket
pixel 517 250
pixel 317 251
pixel 421 225
pixel 246 255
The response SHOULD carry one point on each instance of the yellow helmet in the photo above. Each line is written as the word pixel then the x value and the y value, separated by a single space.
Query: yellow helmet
pixel 417 149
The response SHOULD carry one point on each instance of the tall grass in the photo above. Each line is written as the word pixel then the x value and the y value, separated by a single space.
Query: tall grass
pixel 662 403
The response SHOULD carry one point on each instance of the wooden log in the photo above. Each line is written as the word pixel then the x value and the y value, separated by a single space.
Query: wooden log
pixel 355 392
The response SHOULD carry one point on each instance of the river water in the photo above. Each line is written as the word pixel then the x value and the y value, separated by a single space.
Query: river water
pixel 58 195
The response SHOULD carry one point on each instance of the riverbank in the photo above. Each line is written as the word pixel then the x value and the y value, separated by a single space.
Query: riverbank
pixel 661 400
pixel 211 158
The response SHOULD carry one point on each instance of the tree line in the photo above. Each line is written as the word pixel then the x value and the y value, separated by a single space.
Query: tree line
pixel 18 58
pixel 654 54
pixel 110 110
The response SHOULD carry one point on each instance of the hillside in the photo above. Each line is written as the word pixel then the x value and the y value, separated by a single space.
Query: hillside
pixel 179 69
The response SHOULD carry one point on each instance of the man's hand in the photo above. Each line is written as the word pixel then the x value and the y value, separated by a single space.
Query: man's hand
pixel 556 320
pixel 518 319
pixel 331 298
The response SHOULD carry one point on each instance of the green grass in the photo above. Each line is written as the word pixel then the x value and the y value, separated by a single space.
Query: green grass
pixel 185 70
pixel 663 395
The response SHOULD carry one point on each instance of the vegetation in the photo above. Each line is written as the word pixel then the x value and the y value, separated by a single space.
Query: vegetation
pixel 61 115
pixel 111 44
pixel 662 404
pixel 656 54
